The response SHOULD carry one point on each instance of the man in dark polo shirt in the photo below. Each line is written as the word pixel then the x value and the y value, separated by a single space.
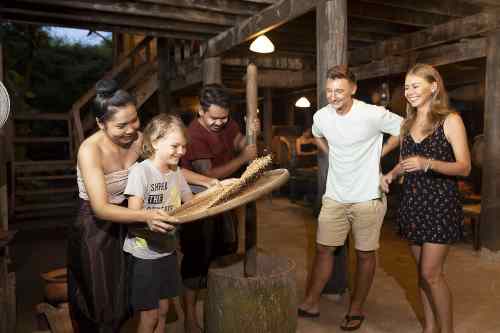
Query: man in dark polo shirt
pixel 217 149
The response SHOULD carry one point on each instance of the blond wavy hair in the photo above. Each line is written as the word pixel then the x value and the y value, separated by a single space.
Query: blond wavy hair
pixel 440 105
pixel 158 128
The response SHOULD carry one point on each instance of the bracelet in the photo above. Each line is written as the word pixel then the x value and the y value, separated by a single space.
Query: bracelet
pixel 428 165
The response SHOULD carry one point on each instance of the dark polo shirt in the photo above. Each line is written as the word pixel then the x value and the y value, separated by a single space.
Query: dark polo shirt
pixel 204 144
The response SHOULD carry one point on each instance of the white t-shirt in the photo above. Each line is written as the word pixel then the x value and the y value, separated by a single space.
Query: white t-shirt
pixel 160 191
pixel 355 147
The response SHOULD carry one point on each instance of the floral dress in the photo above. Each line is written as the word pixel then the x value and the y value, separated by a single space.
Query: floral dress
pixel 431 208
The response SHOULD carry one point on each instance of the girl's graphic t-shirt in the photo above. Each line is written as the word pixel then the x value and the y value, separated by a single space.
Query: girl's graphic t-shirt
pixel 159 191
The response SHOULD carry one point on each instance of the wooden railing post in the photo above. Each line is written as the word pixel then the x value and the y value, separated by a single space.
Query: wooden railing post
pixel 251 212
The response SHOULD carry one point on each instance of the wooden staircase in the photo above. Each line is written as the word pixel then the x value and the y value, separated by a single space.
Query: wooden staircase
pixel 42 173
pixel 45 187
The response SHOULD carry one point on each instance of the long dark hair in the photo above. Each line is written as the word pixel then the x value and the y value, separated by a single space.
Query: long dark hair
pixel 109 99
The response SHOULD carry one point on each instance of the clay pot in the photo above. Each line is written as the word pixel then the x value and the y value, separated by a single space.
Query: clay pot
pixel 56 285
pixel 58 317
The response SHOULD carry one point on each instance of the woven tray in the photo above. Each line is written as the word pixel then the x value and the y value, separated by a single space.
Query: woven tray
pixel 199 208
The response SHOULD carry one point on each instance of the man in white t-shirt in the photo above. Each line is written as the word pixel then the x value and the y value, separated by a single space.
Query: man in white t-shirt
pixel 351 132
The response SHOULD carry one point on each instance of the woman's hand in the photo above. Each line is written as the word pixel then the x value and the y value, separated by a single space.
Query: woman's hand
pixel 157 219
pixel 415 163
pixel 385 181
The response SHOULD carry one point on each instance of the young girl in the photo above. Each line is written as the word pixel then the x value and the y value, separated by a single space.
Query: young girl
pixel 156 183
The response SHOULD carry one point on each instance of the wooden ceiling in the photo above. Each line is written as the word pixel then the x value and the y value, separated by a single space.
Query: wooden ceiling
pixel 370 23
pixel 369 20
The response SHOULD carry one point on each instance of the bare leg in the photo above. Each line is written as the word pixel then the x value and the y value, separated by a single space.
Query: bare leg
pixel 162 316
pixel 431 269
pixel 191 324
pixel 430 325
pixel 148 321
pixel 321 271
pixel 365 271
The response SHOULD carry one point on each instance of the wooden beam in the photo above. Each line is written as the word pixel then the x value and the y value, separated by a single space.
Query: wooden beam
pixel 331 50
pixel 331 45
pixel 383 28
pixel 369 37
pixel 250 261
pixel 4 201
pixel 443 7
pixel 483 2
pixel 141 9
pixel 490 198
pixel 270 62
pixel 212 70
pixel 401 16
pixel 285 79
pixel 164 63
pixel 331 41
pixel 108 23
pixel 437 56
pixel 221 6
pixel 267 19
pixel 453 30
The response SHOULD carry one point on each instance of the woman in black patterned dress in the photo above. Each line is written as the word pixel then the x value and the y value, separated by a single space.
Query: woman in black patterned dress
pixel 434 152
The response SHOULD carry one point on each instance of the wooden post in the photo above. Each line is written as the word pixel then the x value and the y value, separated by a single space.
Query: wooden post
pixel 164 91
pixel 268 119
pixel 290 111
pixel 212 72
pixel 331 50
pixel 251 215
pixel 490 201
pixel 4 224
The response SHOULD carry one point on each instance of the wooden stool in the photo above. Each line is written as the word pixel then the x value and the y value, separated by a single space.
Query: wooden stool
pixel 473 211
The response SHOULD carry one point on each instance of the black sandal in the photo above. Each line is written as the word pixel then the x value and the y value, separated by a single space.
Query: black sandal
pixel 348 319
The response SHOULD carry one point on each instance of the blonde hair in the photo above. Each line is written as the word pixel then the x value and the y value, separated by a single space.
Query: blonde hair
pixel 440 107
pixel 158 128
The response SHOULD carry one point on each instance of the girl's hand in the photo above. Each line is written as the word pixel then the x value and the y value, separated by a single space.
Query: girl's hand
pixel 229 181
pixel 157 219
pixel 415 163
pixel 385 181
pixel 212 182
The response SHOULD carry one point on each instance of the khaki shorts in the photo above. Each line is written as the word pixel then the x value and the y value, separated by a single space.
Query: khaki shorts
pixel 365 218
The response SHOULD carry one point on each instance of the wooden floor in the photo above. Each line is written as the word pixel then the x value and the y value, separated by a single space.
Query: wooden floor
pixel 287 229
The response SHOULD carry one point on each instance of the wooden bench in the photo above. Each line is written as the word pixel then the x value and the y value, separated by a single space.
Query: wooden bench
pixel 473 212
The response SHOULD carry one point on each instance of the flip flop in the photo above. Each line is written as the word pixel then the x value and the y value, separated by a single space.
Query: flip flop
pixel 348 319
pixel 307 314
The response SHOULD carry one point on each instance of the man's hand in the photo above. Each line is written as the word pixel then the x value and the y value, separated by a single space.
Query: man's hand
pixel 249 153
pixel 255 127
pixel 385 181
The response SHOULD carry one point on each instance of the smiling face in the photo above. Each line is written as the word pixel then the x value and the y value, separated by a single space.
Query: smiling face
pixel 215 118
pixel 419 92
pixel 122 128
pixel 339 93
pixel 170 148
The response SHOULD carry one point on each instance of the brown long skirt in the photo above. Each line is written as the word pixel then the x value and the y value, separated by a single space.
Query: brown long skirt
pixel 97 273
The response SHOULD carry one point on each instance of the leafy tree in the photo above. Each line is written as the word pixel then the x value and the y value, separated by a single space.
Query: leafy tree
pixel 49 74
